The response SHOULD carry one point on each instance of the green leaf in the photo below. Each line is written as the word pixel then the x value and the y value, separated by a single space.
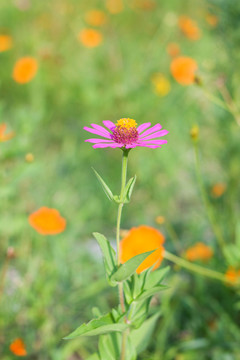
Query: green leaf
pixel 128 268
pixel 129 189
pixel 141 336
pixel 106 189
pixel 155 277
pixel 150 292
pixel 109 256
pixel 110 347
pixel 99 326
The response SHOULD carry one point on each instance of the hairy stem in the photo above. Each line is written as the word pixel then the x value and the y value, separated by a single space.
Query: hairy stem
pixel 120 207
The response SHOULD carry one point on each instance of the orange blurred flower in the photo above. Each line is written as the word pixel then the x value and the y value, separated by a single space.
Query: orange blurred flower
pixel 17 347
pixel 144 4
pixel 90 37
pixel 139 240
pixel 183 70
pixel 232 275
pixel 173 49
pixel 200 251
pixel 95 18
pixel 3 136
pixel 114 6
pixel 189 28
pixel 47 221
pixel 25 69
pixel 5 42
pixel 218 189
pixel 212 20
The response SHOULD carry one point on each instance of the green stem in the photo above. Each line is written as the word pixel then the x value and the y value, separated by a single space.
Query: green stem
pixel 195 268
pixel 119 214
pixel 206 202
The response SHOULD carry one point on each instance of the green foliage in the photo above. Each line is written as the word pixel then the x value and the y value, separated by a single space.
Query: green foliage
pixel 102 325
pixel 105 188
pixel 129 189
pixel 109 256
pixel 129 267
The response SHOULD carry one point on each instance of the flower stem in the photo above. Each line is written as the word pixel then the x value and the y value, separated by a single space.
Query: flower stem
pixel 195 268
pixel 119 214
pixel 206 202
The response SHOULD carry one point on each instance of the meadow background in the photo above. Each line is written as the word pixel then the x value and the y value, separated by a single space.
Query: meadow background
pixel 53 282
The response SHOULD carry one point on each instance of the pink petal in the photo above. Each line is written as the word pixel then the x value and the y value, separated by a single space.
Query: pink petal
pixel 131 146
pixel 143 127
pixel 107 145
pixel 109 124
pixel 150 131
pixel 155 135
pixel 150 146
pixel 100 128
pixel 97 132
pixel 157 142
pixel 99 141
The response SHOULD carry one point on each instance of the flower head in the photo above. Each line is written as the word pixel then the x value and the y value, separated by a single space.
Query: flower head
pixel 17 347
pixel 218 190
pixel 139 240
pixel 232 275
pixel 90 37
pixel 173 49
pixel 126 134
pixel 5 42
pixel 95 18
pixel 200 251
pixel 189 28
pixel 47 221
pixel 3 136
pixel 183 70
pixel 25 69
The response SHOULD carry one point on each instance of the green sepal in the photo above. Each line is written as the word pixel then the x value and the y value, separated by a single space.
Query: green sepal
pixel 128 268
pixel 109 256
pixel 102 325
pixel 106 189
pixel 141 336
pixel 129 189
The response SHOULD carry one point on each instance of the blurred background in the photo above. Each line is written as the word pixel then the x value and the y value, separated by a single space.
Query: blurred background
pixel 96 60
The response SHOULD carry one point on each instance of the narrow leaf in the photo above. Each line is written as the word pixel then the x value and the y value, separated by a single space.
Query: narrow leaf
pixel 155 278
pixel 106 189
pixel 108 252
pixel 102 325
pixel 129 189
pixel 128 268
pixel 150 292
pixel 141 337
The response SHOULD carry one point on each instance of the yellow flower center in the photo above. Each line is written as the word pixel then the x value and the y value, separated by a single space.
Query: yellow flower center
pixel 126 123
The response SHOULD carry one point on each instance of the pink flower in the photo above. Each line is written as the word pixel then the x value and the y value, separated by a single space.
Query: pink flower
pixel 126 134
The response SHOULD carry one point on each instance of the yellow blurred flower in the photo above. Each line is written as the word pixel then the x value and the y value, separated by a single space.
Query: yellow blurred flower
pixel 218 189
pixel 161 84
pixel 90 37
pixel 29 157
pixel 5 42
pixel 114 6
pixel 199 251
pixel 95 18
pixel 194 132
pixel 160 220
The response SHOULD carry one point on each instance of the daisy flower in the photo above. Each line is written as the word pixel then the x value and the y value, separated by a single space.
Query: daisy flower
pixel 126 134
